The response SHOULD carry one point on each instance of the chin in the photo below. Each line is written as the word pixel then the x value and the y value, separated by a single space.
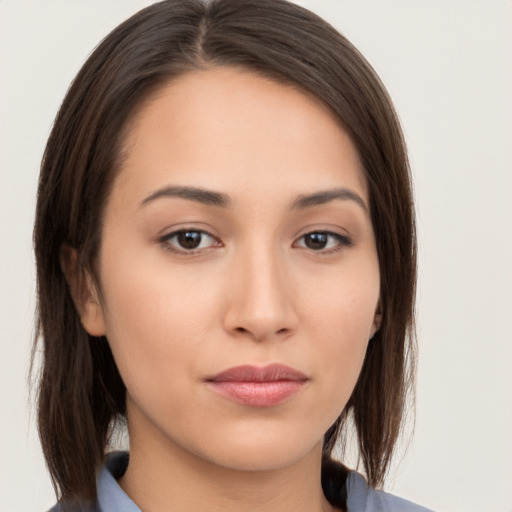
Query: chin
pixel 261 452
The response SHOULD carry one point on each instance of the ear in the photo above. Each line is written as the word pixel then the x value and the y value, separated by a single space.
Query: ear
pixel 83 291
pixel 377 320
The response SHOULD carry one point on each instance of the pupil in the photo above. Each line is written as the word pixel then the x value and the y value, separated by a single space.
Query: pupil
pixel 189 239
pixel 316 240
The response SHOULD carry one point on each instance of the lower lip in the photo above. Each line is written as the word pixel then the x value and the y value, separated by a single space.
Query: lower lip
pixel 258 394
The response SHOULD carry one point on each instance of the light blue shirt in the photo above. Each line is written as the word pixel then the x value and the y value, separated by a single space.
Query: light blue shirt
pixel 360 497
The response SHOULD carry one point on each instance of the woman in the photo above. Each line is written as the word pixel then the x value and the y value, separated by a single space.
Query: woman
pixel 226 262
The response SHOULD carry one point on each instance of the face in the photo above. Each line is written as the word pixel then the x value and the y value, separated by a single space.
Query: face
pixel 238 274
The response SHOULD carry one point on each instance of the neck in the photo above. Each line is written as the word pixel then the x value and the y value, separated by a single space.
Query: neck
pixel 174 479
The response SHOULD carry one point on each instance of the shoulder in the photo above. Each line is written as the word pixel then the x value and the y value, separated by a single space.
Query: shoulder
pixel 362 498
pixel 108 491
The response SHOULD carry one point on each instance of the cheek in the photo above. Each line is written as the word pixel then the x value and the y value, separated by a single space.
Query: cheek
pixel 155 320
pixel 342 320
pixel 345 302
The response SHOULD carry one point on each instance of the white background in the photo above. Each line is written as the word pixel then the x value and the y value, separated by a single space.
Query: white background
pixel 448 67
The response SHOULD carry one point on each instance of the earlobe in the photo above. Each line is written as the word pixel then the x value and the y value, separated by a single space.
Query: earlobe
pixel 83 291
pixel 377 321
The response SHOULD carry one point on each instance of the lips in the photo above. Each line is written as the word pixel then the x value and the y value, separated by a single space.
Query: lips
pixel 258 387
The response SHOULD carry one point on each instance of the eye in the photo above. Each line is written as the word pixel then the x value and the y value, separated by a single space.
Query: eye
pixel 188 240
pixel 324 241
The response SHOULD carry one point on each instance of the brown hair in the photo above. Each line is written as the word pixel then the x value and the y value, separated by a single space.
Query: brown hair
pixel 81 394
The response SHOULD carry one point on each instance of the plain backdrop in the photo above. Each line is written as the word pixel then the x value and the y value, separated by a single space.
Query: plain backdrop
pixel 447 65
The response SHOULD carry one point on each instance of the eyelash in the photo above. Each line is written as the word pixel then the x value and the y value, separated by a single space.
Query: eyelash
pixel 343 241
pixel 165 241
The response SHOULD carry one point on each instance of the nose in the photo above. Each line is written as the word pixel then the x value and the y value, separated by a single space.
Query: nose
pixel 260 298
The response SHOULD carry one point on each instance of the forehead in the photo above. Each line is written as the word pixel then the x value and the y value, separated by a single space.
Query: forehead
pixel 226 126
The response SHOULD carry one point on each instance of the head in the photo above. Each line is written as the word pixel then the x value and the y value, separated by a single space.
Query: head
pixel 169 45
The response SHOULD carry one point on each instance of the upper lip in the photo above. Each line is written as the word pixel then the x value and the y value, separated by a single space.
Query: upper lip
pixel 249 373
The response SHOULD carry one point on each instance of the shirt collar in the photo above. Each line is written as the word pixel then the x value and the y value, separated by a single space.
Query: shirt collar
pixel 111 498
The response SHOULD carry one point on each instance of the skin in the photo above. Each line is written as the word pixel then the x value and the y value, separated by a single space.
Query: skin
pixel 254 292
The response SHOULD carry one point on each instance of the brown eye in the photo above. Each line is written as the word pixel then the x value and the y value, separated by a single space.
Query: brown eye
pixel 188 240
pixel 316 241
pixel 324 241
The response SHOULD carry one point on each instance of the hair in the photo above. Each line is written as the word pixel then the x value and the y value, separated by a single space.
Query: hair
pixel 81 396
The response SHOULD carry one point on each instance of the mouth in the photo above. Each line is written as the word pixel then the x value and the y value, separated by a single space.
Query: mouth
pixel 258 386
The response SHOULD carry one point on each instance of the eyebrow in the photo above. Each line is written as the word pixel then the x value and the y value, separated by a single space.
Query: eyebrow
pixel 198 195
pixel 326 196
pixel 212 198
